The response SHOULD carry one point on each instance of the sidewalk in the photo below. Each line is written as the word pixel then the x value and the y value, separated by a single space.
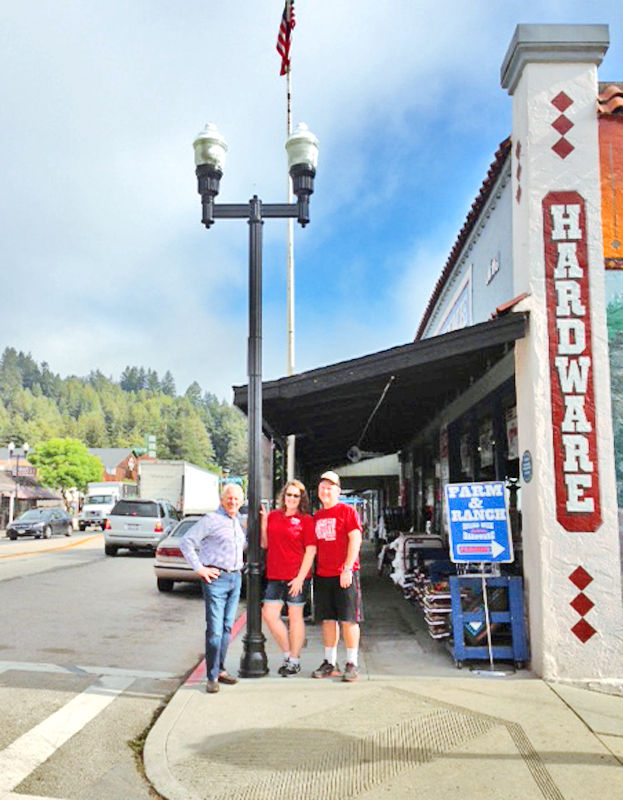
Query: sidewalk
pixel 413 726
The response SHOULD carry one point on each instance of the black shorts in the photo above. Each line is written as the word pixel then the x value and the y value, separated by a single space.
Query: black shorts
pixel 331 601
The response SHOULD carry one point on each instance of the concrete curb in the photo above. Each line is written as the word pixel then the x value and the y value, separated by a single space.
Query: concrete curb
pixel 155 756
pixel 155 751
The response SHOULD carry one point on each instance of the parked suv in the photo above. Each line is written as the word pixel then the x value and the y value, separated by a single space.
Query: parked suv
pixel 138 525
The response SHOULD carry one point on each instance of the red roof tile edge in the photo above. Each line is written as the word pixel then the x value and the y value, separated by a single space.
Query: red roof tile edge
pixel 504 308
pixel 610 99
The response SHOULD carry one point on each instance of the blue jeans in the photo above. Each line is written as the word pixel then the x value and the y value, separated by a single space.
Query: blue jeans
pixel 221 601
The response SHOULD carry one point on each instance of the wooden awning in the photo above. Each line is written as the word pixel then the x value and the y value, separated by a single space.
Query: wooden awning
pixel 379 401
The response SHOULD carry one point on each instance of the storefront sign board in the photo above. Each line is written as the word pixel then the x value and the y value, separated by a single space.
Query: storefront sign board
pixel 478 522
pixel 578 505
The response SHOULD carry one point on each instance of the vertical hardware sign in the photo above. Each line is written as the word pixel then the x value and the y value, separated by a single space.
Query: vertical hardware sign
pixel 576 466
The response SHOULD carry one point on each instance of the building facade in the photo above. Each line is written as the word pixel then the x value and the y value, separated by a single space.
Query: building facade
pixel 509 376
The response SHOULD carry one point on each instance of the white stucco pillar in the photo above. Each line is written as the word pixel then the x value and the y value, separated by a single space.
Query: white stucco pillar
pixel 571 550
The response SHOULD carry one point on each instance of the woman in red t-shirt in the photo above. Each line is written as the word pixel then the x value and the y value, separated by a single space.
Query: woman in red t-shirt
pixel 290 544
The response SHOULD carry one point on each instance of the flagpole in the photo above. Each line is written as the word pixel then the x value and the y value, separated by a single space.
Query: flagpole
pixel 291 445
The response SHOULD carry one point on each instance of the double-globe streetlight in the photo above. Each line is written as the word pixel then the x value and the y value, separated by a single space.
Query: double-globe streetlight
pixel 210 150
pixel 25 449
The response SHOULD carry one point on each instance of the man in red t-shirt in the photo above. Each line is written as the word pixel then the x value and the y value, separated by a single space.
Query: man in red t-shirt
pixel 337 591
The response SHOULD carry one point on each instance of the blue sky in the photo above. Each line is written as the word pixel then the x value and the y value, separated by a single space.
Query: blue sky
pixel 104 260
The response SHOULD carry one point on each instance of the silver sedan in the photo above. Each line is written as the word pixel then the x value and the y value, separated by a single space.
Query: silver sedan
pixel 170 564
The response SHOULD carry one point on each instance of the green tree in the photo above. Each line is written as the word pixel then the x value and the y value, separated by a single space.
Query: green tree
pixel 152 381
pixel 229 438
pixel 31 375
pixel 40 419
pixel 5 424
pixel 65 464
pixel 167 385
pixel 129 379
pixel 50 383
pixel 186 436
pixel 193 393
pixel 10 376
pixel 91 428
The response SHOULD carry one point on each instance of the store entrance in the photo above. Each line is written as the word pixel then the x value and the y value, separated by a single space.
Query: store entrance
pixel 477 447
pixel 395 638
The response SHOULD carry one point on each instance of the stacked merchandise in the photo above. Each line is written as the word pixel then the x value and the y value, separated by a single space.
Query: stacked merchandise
pixel 437 605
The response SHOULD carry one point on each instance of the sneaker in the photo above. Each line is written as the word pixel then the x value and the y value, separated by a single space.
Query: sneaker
pixel 289 668
pixel 327 670
pixel 212 687
pixel 351 672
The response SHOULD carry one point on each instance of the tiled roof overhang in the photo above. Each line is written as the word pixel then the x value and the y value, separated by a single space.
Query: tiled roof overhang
pixel 329 409
pixel 610 99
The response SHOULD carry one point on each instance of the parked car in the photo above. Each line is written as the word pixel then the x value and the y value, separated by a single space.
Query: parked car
pixel 41 522
pixel 138 524
pixel 170 565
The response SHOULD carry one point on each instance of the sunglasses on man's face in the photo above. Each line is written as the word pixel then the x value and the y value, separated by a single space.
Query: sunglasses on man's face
pixel 292 494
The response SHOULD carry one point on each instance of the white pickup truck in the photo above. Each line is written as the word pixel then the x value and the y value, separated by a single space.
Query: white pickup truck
pixel 99 501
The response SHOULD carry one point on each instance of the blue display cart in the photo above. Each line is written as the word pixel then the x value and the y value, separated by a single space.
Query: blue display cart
pixel 469 620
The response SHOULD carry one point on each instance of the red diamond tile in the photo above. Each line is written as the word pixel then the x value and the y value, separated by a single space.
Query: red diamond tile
pixel 583 630
pixel 518 172
pixel 518 195
pixel 562 101
pixel 518 149
pixel 562 124
pixel 582 604
pixel 562 148
pixel 580 578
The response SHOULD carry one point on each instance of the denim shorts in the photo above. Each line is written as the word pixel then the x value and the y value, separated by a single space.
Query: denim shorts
pixel 278 592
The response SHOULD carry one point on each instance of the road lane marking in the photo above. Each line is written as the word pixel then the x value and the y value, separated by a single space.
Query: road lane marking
pixel 50 549
pixel 15 796
pixel 78 669
pixel 5 666
pixel 33 748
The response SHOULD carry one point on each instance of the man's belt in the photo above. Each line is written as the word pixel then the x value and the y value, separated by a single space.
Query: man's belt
pixel 222 569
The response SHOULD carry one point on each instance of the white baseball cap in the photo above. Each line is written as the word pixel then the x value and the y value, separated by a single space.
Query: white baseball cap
pixel 330 476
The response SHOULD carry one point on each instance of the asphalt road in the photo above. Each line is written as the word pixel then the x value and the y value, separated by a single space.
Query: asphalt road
pixel 89 649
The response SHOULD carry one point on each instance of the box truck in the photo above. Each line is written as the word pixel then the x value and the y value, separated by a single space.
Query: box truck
pixel 99 500
pixel 191 489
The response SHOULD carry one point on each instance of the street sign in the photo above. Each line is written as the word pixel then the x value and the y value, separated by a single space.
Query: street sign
pixel 478 522
pixel 238 479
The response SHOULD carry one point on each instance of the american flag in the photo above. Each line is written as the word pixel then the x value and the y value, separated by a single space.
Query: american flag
pixel 285 35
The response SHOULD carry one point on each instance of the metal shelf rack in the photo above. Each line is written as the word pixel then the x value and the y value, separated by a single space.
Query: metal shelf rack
pixel 470 609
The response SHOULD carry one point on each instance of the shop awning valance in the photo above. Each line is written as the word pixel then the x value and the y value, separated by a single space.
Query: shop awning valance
pixel 379 401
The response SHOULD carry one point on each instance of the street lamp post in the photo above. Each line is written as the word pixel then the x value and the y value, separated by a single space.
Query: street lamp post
pixel 210 149
pixel 12 449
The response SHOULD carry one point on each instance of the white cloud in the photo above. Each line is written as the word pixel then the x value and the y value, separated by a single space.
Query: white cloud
pixel 100 220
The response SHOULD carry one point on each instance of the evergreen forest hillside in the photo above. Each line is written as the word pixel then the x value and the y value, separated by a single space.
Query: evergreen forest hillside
pixel 615 342
pixel 36 405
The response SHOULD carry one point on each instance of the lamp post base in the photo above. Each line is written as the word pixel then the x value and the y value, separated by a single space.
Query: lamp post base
pixel 253 662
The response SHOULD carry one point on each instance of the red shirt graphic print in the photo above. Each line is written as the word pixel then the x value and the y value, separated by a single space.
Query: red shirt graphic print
pixel 331 527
